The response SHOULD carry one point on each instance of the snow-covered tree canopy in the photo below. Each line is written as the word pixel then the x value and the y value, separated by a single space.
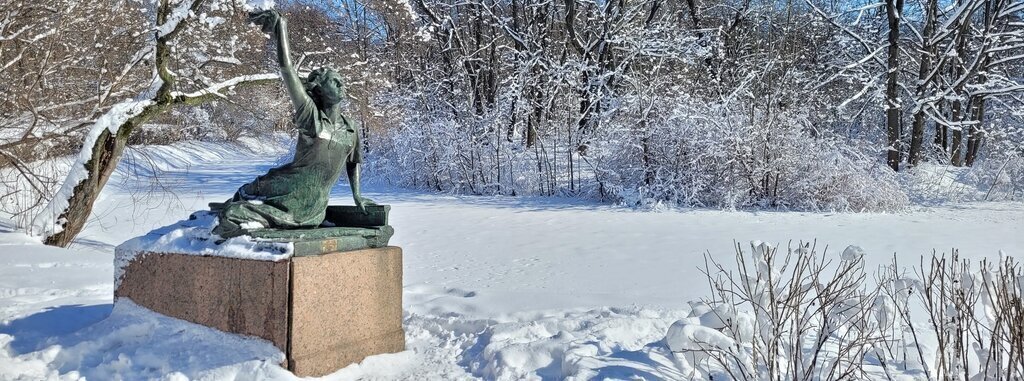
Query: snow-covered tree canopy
pixel 730 103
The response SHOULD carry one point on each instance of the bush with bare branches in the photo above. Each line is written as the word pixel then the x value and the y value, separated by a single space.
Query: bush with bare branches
pixel 801 315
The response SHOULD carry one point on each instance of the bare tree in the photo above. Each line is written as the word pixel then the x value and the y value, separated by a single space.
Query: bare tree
pixel 65 215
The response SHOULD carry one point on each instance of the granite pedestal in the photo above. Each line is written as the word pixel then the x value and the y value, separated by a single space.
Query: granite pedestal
pixel 325 308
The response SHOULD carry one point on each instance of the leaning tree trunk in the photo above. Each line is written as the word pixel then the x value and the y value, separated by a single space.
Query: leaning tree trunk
pixel 109 146
pixel 106 153
pixel 107 150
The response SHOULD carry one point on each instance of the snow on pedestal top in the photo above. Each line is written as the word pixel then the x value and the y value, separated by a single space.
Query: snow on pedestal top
pixel 192 237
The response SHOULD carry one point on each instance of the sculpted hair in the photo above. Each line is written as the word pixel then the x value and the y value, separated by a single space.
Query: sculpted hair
pixel 316 78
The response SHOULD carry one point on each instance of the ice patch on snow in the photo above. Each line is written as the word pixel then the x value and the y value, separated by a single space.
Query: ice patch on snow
pixel 193 237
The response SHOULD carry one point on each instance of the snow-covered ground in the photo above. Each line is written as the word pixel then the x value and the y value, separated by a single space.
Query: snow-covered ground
pixel 495 287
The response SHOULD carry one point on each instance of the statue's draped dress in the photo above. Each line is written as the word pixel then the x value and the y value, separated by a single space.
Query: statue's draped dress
pixel 295 195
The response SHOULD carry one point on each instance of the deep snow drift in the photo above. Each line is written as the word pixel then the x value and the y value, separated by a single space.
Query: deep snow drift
pixel 495 287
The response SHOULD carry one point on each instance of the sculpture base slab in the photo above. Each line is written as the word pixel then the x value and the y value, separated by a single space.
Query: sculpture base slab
pixel 324 311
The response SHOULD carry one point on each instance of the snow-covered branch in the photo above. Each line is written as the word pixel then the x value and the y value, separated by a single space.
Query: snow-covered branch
pixel 48 222
pixel 215 89
pixel 176 16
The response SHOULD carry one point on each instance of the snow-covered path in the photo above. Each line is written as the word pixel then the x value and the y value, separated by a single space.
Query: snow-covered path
pixel 495 287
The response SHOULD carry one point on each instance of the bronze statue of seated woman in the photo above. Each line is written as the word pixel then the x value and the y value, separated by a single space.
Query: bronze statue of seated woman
pixel 295 195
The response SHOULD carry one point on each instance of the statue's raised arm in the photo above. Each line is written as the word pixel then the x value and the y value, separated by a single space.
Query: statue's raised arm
pixel 272 23
pixel 327 144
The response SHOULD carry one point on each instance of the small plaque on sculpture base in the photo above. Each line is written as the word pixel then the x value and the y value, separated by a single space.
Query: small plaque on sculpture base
pixel 324 310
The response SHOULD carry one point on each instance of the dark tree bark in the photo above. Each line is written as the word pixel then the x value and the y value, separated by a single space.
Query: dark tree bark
pixel 894 10
pixel 993 21
pixel 924 79
pixel 941 141
pixel 692 5
pixel 975 133
pixel 957 143
pixel 106 154
pixel 956 106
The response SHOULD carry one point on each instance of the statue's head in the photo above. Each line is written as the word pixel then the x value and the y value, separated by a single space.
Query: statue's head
pixel 325 86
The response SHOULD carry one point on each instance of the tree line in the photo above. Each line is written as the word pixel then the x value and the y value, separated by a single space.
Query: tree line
pixel 810 104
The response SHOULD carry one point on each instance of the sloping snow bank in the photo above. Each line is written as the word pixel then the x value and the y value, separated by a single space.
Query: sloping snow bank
pixel 181 157
pixel 135 343
pixel 57 322
pixel 153 170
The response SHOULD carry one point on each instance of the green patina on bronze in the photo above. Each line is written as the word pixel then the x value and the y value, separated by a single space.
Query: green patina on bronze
pixel 294 195
pixel 345 228
pixel 307 242
pixel 369 216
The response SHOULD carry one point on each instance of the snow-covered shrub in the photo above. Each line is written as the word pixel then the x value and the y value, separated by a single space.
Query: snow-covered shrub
pixel 999 175
pixel 992 178
pixel 996 175
pixel 431 150
pixel 974 315
pixel 809 316
pixel 698 155
pixel 792 315
pixel 712 155
pixel 999 171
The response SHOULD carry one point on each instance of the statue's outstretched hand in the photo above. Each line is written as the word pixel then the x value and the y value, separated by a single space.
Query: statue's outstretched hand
pixel 362 202
pixel 268 20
